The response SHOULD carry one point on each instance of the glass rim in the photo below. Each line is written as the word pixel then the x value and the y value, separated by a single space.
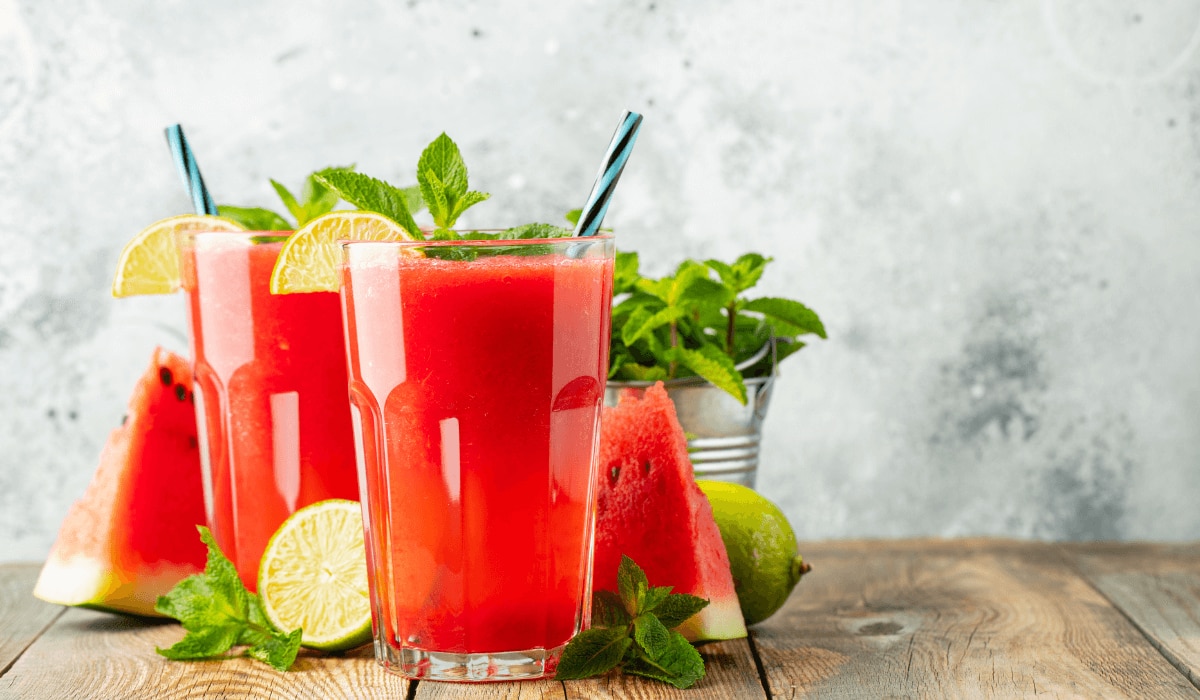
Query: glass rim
pixel 483 242
pixel 251 237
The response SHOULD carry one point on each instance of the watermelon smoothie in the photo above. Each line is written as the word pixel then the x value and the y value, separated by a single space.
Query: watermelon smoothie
pixel 275 429
pixel 477 375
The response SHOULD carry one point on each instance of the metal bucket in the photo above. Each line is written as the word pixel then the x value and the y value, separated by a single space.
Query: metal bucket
pixel 723 435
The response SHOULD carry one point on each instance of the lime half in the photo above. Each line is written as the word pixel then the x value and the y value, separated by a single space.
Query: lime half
pixel 313 575
pixel 310 258
pixel 763 555
pixel 149 263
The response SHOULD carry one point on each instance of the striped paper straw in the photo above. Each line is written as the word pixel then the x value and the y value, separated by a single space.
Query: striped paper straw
pixel 610 171
pixel 189 171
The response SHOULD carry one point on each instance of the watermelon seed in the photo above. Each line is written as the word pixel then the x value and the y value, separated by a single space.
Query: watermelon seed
pixel 164 375
pixel 613 474
pixel 647 466
pixel 124 419
pixel 192 442
pixel 180 392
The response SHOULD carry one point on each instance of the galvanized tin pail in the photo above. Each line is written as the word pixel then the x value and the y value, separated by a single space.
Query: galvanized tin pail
pixel 723 435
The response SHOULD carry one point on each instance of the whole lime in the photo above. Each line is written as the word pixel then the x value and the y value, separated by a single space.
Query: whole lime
pixel 763 555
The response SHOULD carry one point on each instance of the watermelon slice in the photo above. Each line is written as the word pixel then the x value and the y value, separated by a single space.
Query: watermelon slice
pixel 649 508
pixel 133 534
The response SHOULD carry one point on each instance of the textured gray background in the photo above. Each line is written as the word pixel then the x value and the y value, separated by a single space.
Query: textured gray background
pixel 993 206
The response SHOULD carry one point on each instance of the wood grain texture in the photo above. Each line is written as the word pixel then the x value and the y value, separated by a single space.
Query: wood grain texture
pixel 22 617
pixel 87 654
pixel 523 690
pixel 964 618
pixel 1158 589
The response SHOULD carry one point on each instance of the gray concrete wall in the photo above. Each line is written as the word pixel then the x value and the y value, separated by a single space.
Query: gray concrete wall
pixel 993 206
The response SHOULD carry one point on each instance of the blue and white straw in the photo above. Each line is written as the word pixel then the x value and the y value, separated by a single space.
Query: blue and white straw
pixel 189 171
pixel 610 171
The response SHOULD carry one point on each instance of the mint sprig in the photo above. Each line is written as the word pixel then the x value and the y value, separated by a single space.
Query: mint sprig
pixel 690 324
pixel 370 194
pixel 633 630
pixel 315 199
pixel 442 178
pixel 219 613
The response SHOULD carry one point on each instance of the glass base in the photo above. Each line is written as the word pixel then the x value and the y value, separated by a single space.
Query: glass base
pixel 428 665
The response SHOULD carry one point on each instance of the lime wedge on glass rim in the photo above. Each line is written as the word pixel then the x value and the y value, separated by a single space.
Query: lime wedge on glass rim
pixel 149 264
pixel 313 575
pixel 310 258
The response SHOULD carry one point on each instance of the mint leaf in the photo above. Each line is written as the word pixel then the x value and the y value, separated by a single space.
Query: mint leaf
pixel 434 194
pixel 709 362
pixel 318 199
pixel 625 272
pixel 288 200
pixel 219 613
pixel 278 651
pixel 725 272
pixel 655 596
pixel 255 218
pixel 678 608
pixel 467 201
pixel 791 312
pixel 442 178
pixel 642 322
pixel 747 270
pixel 526 231
pixel 593 652
pixel 369 194
pixel 641 373
pixel 608 610
pixel 785 347
pixel 632 584
pixel 685 277
pixel 703 291
pixel 679 664
pixel 573 217
pixel 203 643
pixel 442 158
pixel 651 635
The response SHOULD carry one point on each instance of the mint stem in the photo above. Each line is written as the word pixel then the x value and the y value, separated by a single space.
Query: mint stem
pixel 673 365
pixel 731 312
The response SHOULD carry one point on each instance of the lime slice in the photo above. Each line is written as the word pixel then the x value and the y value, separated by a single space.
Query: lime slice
pixel 310 259
pixel 149 263
pixel 763 554
pixel 313 575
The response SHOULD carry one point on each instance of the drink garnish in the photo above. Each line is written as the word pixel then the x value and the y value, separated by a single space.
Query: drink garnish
pixel 313 574
pixel 149 264
pixel 309 260
pixel 219 613
pixel 634 631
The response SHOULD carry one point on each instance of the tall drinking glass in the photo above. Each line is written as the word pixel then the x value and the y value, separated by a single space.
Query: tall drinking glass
pixel 477 375
pixel 275 429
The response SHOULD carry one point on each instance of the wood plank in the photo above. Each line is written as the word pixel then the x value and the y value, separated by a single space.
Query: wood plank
pixel 964 618
pixel 1157 587
pixel 730 674
pixel 22 617
pixel 88 654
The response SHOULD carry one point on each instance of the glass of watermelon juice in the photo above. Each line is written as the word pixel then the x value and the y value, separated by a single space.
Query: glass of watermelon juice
pixel 477 374
pixel 274 421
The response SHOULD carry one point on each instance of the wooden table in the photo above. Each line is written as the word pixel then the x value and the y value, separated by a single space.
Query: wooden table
pixel 917 618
